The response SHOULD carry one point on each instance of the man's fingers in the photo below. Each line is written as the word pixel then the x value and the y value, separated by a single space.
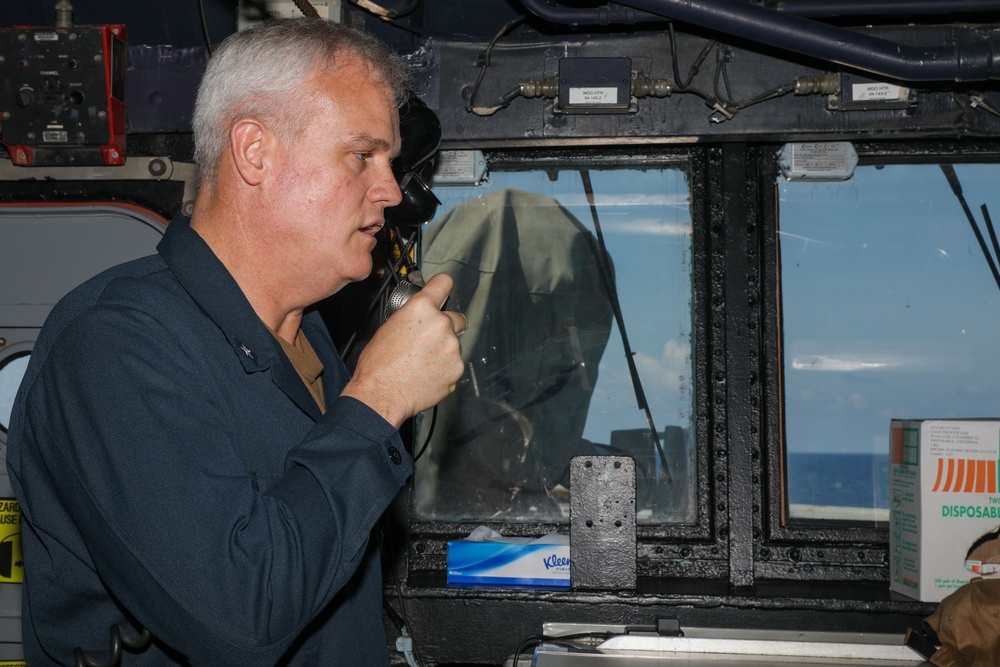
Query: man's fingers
pixel 459 322
pixel 438 288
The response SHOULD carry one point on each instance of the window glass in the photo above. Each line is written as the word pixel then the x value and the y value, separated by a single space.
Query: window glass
pixel 11 371
pixel 889 309
pixel 547 375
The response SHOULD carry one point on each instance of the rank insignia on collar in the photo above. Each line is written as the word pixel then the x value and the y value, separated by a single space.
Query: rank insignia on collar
pixel 246 350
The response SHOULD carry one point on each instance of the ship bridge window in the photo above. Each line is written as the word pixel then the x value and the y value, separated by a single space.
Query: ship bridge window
pixel 578 288
pixel 889 309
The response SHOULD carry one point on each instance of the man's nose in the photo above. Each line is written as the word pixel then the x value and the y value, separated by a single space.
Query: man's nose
pixel 387 189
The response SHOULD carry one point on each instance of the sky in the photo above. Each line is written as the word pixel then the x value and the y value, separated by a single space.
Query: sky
pixel 889 306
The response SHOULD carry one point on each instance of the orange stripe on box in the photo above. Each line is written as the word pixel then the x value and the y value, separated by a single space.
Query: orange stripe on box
pixel 959 474
pixel 970 475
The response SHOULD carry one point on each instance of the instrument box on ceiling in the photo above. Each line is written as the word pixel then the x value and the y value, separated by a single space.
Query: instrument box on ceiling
pixel 62 99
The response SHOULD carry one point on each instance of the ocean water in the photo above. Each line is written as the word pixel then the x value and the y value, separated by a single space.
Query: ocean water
pixel 839 480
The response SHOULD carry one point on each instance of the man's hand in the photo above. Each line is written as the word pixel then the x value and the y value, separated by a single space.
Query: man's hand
pixel 414 360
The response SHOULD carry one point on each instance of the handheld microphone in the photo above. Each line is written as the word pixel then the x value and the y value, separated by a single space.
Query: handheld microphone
pixel 400 294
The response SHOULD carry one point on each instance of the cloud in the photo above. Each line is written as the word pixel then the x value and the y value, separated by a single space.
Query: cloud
pixel 666 198
pixel 823 362
pixel 667 372
pixel 651 227
pixel 663 378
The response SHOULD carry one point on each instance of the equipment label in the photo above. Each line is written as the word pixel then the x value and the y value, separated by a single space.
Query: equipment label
pixel 596 96
pixel 878 91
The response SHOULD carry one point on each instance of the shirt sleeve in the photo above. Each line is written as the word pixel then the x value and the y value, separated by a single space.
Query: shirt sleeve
pixel 126 433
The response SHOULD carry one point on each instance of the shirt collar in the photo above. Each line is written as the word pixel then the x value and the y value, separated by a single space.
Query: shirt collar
pixel 216 292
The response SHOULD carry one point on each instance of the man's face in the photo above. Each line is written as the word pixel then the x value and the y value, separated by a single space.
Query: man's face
pixel 333 180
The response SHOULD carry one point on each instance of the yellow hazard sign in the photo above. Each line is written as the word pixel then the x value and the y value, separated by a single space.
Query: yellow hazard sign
pixel 11 561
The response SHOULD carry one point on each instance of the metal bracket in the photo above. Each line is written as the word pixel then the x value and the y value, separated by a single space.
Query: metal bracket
pixel 602 523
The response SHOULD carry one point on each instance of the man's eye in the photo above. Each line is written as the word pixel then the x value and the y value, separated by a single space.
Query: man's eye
pixel 363 156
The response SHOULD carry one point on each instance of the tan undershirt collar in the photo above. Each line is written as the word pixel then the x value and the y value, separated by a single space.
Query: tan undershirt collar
pixel 307 365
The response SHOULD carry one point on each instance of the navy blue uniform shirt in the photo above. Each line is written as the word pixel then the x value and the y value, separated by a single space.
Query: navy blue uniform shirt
pixel 174 472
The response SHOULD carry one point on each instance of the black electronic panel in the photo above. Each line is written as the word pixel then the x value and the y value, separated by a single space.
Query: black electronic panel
pixel 595 86
pixel 62 98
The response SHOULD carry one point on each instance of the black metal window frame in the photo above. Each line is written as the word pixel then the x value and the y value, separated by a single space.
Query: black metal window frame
pixel 817 549
pixel 741 565
pixel 742 539
pixel 658 544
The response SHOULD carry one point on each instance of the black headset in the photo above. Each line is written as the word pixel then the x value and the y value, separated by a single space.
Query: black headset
pixel 420 132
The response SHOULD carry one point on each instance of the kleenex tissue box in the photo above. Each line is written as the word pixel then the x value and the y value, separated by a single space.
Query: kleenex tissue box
pixel 488 559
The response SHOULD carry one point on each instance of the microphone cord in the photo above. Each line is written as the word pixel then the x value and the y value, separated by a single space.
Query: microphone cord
pixel 119 640
pixel 609 282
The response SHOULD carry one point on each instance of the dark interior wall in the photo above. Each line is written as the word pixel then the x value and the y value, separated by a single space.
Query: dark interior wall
pixel 446 42
pixel 175 23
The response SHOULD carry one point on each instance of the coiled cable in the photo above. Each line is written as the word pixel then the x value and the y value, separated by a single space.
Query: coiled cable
pixel 119 640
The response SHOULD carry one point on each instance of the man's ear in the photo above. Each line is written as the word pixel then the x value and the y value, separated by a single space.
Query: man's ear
pixel 249 141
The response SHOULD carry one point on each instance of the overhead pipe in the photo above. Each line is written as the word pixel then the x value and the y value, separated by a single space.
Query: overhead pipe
pixel 974 61
pixel 609 14
pixel 617 14
pixel 832 8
